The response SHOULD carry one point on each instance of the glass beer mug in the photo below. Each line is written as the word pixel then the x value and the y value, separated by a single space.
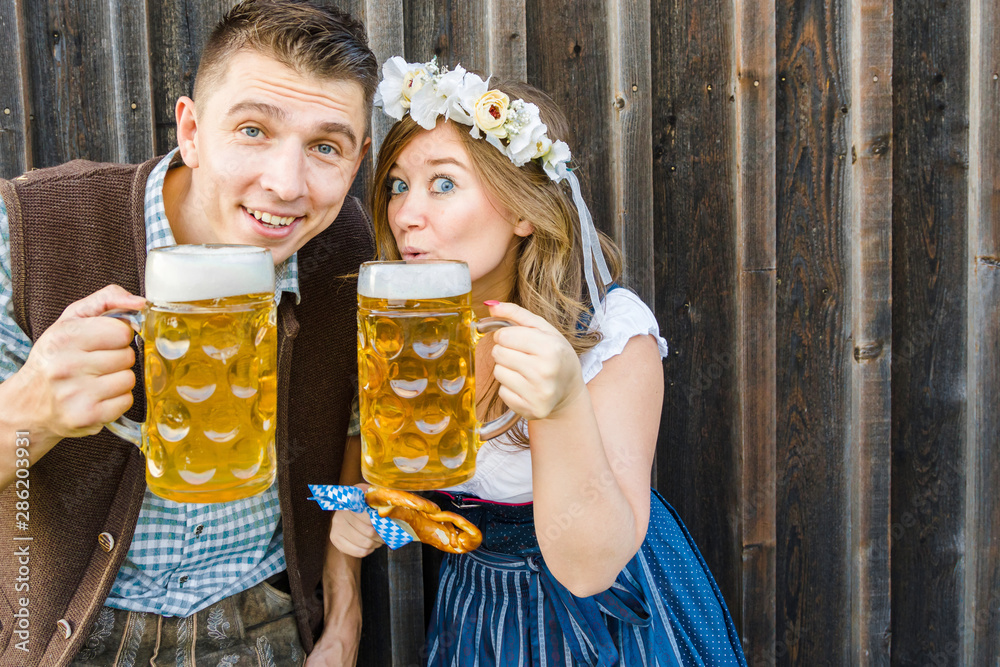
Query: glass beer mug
pixel 209 335
pixel 416 372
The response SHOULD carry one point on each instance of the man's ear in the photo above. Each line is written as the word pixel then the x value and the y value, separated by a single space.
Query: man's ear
pixel 187 130
pixel 524 228
pixel 361 156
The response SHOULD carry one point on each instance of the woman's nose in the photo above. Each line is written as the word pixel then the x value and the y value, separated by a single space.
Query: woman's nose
pixel 410 211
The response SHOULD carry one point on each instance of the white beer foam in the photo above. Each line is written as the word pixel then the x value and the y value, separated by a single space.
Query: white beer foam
pixel 413 280
pixel 195 272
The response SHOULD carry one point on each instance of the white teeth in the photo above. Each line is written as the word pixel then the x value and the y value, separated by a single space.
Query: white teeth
pixel 272 220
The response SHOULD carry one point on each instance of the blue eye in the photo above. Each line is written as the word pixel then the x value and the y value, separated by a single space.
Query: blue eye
pixel 326 149
pixel 443 184
pixel 397 187
pixel 252 132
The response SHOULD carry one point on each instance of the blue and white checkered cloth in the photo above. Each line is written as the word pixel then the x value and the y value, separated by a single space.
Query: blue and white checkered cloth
pixel 335 497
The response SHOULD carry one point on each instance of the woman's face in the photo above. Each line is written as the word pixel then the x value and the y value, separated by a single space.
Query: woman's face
pixel 440 209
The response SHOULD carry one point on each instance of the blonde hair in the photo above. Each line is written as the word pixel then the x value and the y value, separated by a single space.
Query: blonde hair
pixel 549 279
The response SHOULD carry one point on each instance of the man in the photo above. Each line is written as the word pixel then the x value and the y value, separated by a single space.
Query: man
pixel 110 574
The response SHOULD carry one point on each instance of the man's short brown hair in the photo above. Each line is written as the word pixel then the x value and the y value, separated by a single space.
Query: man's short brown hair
pixel 324 42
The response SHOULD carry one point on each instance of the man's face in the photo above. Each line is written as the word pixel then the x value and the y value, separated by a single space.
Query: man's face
pixel 272 155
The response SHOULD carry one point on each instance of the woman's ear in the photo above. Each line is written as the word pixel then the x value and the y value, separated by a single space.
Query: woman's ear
pixel 524 228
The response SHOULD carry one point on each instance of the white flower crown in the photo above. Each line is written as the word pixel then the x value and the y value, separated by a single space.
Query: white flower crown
pixel 427 91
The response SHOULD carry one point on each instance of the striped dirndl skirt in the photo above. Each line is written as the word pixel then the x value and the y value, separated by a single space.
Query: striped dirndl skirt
pixel 500 605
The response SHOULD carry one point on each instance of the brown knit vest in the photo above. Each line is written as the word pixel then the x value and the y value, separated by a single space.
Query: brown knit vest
pixel 73 230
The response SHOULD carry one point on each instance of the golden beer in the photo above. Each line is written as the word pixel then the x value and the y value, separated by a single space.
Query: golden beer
pixel 416 375
pixel 210 373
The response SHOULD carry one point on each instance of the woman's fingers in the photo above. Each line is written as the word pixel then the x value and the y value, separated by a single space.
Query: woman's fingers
pixel 538 370
pixel 353 534
pixel 520 316
pixel 528 398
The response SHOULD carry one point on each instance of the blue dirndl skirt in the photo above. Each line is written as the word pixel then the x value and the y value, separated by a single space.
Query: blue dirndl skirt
pixel 500 605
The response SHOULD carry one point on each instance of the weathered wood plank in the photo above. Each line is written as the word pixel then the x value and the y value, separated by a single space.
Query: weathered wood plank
pixel 693 127
pixel 753 81
pixel 133 98
pixel 177 32
pixel 630 144
pixel 981 624
pixel 376 607
pixel 467 33
pixel 15 140
pixel 567 58
pixel 71 98
pixel 757 528
pixel 406 590
pixel 431 559
pixel 870 289
pixel 383 21
pixel 929 316
pixel 812 334
pixel 507 26
pixel 454 31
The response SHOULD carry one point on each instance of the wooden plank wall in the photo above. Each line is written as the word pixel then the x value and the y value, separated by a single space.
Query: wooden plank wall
pixel 808 195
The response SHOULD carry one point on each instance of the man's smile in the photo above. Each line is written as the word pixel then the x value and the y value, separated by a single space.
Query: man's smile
pixel 271 219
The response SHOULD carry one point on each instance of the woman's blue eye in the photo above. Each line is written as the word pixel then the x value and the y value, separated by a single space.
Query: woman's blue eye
pixel 443 184
pixel 252 132
pixel 397 187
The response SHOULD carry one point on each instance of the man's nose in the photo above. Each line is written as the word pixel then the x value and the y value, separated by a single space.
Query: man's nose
pixel 284 172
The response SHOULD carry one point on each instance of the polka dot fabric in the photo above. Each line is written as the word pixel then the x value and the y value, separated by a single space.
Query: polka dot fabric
pixel 503 607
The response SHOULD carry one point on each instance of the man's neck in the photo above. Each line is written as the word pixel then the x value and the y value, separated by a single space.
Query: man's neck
pixel 176 192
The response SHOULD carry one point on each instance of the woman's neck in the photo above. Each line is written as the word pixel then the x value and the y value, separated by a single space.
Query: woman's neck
pixel 497 285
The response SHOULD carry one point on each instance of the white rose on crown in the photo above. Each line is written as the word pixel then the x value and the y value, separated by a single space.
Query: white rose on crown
pixel 454 87
pixel 525 130
pixel 401 81
pixel 554 161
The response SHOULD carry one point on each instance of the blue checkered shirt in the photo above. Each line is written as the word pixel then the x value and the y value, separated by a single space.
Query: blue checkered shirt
pixel 183 557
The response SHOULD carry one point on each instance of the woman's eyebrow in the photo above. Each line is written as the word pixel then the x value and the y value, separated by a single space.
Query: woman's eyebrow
pixel 445 160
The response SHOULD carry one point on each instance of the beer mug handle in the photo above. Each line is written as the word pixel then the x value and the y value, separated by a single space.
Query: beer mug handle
pixel 123 427
pixel 506 421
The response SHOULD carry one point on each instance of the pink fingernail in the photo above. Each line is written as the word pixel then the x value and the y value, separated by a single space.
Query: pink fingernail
pixel 491 303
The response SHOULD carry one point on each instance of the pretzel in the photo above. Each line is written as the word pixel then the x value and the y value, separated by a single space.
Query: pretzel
pixel 424 520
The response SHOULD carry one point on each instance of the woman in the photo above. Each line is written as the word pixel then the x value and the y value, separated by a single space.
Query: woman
pixel 580 562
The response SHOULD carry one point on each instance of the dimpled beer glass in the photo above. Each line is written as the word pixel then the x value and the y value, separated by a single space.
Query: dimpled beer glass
pixel 210 351
pixel 416 372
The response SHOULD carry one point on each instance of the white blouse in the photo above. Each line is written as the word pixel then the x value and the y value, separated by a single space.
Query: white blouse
pixel 503 470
